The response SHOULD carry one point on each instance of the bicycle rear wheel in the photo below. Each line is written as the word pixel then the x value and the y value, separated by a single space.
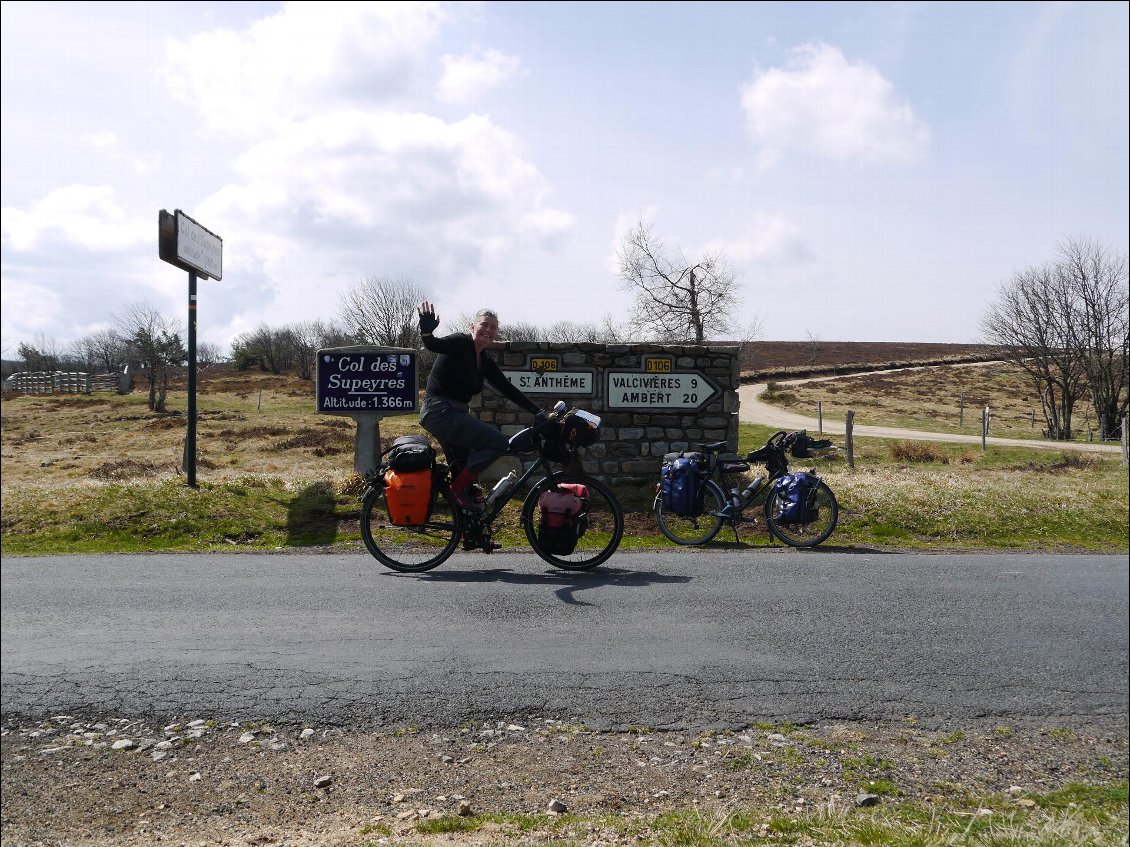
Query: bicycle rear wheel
pixel 823 512
pixel 410 549
pixel 603 527
pixel 684 529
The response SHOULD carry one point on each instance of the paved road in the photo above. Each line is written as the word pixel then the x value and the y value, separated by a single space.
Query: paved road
pixel 670 639
pixel 753 410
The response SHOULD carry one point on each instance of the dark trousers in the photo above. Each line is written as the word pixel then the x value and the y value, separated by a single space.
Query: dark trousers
pixel 464 438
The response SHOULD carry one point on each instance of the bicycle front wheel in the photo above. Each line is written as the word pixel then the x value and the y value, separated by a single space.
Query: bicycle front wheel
pixel 410 549
pixel 685 529
pixel 600 529
pixel 823 512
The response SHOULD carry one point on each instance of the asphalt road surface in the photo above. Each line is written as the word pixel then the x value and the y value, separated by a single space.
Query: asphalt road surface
pixel 666 639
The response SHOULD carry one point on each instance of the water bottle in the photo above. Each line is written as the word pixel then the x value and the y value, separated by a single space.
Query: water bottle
pixel 501 489
pixel 735 498
pixel 754 487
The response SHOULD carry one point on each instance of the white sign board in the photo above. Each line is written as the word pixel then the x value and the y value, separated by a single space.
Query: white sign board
pixel 552 382
pixel 199 248
pixel 636 390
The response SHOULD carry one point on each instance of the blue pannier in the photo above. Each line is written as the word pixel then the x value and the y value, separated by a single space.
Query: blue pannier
pixel 794 496
pixel 680 481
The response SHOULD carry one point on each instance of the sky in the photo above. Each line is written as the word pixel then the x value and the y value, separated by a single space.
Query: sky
pixel 869 171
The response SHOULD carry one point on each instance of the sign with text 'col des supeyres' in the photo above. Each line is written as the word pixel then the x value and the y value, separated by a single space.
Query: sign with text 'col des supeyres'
pixel 359 380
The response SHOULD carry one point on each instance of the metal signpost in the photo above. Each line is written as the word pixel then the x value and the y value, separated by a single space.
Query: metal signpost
pixel 366 383
pixel 183 242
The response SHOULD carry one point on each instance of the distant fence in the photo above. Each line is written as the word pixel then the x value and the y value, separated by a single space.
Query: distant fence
pixel 58 382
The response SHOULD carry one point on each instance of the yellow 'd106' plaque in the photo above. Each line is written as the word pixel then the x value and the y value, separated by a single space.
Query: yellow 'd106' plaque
pixel 658 365
pixel 543 365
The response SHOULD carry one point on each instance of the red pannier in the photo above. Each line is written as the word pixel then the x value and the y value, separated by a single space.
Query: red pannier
pixel 564 517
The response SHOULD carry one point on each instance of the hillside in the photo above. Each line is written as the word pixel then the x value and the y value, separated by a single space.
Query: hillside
pixel 766 359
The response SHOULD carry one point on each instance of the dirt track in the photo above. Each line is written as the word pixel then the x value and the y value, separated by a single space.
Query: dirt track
pixel 753 410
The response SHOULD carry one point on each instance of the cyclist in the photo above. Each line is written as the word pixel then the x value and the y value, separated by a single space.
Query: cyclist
pixel 457 375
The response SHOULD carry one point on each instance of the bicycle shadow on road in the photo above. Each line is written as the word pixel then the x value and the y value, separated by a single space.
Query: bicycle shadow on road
pixel 569 582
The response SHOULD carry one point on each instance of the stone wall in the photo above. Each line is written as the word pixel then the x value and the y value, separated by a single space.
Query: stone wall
pixel 633 438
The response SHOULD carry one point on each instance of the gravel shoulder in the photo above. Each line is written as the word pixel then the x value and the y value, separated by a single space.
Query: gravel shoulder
pixel 129 783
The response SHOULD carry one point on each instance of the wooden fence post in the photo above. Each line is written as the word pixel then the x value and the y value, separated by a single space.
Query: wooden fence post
pixel 820 417
pixel 1125 427
pixel 961 411
pixel 847 438
pixel 984 428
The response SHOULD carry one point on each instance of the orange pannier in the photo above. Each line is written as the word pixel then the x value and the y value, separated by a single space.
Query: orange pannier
pixel 408 495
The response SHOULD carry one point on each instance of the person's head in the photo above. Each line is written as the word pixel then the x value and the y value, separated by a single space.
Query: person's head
pixel 485 326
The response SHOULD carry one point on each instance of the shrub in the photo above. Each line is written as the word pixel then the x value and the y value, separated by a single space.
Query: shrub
pixel 917 451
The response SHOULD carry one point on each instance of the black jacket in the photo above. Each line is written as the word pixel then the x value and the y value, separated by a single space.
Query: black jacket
pixel 455 373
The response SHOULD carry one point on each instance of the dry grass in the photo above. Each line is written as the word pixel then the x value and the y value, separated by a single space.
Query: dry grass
pixel 948 399
pixel 258 424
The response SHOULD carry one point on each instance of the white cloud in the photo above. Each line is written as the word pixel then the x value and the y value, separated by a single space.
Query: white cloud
pixel 99 140
pixel 83 215
pixel 767 237
pixel 306 58
pixel 824 105
pixel 28 309
pixel 469 76
pixel 352 194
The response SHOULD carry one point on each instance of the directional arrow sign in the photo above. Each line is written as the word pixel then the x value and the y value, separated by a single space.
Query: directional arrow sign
pixel 638 390
pixel 552 382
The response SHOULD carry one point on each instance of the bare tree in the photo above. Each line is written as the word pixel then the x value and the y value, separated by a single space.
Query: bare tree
pixel 41 354
pixel 154 340
pixel 310 337
pixel 1032 320
pixel 568 332
pixel 83 353
pixel 271 349
pixel 111 350
pixel 749 334
pixel 676 299
pixel 208 354
pixel 814 340
pixel 1102 326
pixel 520 331
pixel 382 311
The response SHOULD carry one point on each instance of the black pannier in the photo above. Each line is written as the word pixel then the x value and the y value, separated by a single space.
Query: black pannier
pixel 411 453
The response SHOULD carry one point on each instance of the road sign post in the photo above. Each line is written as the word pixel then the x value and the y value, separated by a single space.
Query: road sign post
pixel 184 243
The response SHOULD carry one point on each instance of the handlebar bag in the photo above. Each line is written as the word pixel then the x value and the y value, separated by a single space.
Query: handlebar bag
pixel 680 482
pixel 563 518
pixel 579 428
pixel 408 495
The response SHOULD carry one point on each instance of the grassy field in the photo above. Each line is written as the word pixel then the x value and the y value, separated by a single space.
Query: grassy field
pixel 946 399
pixel 102 473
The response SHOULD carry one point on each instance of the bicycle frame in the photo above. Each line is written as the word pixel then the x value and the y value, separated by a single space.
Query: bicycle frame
pixel 491 514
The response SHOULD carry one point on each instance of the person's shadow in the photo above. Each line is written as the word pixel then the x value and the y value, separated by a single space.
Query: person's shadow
pixel 568 582
pixel 310 517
